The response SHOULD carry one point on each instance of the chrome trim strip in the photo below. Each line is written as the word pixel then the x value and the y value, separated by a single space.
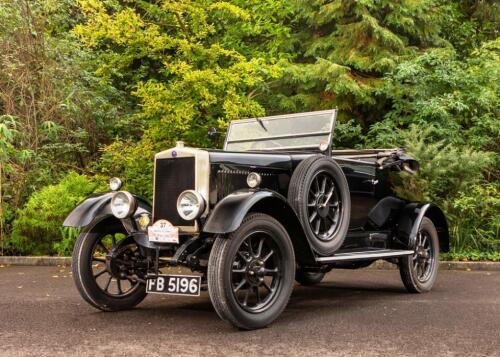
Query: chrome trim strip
pixel 378 254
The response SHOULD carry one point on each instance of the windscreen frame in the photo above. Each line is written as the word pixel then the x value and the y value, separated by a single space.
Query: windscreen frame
pixel 333 118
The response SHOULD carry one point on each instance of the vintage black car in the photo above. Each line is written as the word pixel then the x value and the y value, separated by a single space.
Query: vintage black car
pixel 277 204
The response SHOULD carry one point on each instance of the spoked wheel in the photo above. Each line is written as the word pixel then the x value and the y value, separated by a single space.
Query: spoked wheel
pixel 109 264
pixel 423 259
pixel 256 272
pixel 324 206
pixel 251 272
pixel 106 265
pixel 419 271
pixel 319 194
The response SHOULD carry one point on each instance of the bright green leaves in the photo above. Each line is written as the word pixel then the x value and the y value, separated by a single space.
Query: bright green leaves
pixel 191 79
pixel 200 98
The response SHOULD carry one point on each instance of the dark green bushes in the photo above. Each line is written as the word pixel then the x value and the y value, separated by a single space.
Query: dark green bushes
pixel 453 178
pixel 37 229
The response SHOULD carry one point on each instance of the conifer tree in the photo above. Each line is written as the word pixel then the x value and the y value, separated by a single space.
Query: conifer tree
pixel 346 46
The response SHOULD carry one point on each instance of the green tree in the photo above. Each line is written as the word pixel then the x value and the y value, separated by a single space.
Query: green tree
pixel 58 111
pixel 457 98
pixel 345 47
pixel 185 66
pixel 99 86
pixel 172 57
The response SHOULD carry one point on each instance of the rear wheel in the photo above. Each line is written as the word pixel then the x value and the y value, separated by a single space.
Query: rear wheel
pixel 419 271
pixel 102 259
pixel 308 277
pixel 251 272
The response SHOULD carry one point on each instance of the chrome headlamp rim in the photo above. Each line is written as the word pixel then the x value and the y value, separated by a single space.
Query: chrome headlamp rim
pixel 115 183
pixel 200 208
pixel 254 179
pixel 132 204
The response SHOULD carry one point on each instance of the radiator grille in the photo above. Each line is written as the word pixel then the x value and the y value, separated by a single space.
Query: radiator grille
pixel 172 176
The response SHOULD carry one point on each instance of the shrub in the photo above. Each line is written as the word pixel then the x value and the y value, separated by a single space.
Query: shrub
pixel 446 169
pixel 476 216
pixel 453 177
pixel 37 229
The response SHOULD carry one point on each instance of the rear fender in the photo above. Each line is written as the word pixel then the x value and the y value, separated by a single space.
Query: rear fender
pixel 232 209
pixel 97 206
pixel 411 218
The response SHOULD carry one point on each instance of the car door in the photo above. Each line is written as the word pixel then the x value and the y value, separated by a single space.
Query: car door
pixel 362 180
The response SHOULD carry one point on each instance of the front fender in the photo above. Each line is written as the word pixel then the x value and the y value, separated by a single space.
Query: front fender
pixel 232 209
pixel 98 205
pixel 412 216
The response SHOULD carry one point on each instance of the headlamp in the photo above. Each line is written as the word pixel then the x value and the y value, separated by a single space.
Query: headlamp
pixel 123 204
pixel 253 179
pixel 190 205
pixel 115 183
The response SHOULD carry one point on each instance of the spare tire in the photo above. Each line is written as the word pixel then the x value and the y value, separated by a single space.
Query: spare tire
pixel 319 194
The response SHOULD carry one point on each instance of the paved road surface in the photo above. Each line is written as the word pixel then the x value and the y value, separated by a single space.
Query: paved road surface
pixel 364 312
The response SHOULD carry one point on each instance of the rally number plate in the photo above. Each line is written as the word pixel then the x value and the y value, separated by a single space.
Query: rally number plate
pixel 163 231
pixel 174 284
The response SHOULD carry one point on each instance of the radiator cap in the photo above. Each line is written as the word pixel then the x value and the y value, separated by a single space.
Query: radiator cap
pixel 179 144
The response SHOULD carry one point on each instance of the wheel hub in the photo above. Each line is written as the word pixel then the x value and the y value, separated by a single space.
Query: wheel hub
pixel 324 207
pixel 255 271
pixel 321 206
pixel 422 253
pixel 120 259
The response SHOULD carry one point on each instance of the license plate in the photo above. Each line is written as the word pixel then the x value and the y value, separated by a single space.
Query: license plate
pixel 174 285
pixel 163 231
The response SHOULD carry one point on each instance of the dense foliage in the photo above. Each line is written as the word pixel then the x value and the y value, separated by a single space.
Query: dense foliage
pixel 98 86
pixel 39 221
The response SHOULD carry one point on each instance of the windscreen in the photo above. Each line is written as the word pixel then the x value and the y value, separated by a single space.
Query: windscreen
pixel 291 131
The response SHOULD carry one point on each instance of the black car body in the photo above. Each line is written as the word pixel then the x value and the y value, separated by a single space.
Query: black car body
pixel 336 208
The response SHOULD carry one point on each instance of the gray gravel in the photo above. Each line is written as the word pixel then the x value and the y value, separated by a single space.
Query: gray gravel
pixel 364 312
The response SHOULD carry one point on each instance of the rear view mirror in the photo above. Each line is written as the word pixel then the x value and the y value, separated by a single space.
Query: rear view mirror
pixel 212 133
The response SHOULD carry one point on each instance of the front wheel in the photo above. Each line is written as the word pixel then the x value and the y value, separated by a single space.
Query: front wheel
pixel 103 259
pixel 251 272
pixel 419 271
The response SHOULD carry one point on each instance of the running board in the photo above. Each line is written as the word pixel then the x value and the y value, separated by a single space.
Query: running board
pixel 366 255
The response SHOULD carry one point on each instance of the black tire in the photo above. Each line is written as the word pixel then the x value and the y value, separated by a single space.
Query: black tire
pixel 418 273
pixel 301 186
pixel 83 274
pixel 230 264
pixel 307 278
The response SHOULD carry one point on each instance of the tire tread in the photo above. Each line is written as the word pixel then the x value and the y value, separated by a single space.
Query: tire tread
pixel 215 275
pixel 405 269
